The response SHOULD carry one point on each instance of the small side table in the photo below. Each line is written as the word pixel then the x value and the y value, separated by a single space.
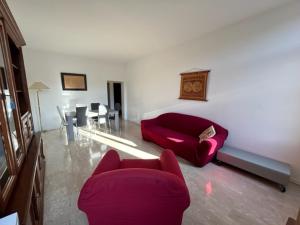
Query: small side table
pixel 276 171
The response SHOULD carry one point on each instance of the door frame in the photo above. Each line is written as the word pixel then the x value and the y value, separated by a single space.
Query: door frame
pixel 110 96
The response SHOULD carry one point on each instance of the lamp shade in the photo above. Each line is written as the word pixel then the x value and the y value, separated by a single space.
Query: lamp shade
pixel 38 86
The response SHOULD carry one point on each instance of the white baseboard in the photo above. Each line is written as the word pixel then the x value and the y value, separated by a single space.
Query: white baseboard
pixel 295 181
pixel 134 121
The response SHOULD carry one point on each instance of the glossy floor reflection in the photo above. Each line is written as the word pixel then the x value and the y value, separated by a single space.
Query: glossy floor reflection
pixel 219 194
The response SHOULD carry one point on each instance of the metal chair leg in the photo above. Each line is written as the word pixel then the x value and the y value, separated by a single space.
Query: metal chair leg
pixel 76 129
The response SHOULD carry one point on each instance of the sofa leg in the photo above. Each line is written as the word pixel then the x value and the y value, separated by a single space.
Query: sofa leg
pixel 219 163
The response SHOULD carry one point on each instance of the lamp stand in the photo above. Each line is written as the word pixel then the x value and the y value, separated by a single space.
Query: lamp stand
pixel 39 108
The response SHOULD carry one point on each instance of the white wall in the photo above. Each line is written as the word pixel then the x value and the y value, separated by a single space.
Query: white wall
pixel 46 67
pixel 254 84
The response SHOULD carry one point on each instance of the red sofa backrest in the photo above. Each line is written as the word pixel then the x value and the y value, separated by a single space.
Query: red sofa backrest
pixel 188 124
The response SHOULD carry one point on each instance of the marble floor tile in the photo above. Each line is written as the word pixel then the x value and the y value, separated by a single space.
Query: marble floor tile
pixel 220 195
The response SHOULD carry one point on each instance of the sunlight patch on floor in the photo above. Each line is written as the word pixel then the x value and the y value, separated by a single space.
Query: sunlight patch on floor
pixel 94 156
pixel 117 145
pixel 116 138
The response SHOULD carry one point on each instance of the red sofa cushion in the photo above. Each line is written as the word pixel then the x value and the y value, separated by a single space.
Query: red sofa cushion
pixel 178 142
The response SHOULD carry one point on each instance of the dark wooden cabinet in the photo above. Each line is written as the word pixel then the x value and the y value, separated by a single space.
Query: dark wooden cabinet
pixel 27 196
pixel 22 162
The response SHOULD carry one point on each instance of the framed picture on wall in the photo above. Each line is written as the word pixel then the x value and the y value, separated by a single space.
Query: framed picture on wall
pixel 193 85
pixel 73 82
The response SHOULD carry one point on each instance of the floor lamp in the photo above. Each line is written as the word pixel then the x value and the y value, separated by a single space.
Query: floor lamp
pixel 38 87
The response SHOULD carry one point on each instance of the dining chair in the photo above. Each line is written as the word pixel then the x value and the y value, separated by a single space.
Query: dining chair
pixel 118 106
pixel 95 106
pixel 80 105
pixel 102 115
pixel 112 116
pixel 63 122
pixel 81 116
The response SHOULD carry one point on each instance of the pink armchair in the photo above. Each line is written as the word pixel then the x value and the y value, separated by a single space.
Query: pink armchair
pixel 135 191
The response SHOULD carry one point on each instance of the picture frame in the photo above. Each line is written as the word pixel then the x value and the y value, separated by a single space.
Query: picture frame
pixel 194 85
pixel 73 82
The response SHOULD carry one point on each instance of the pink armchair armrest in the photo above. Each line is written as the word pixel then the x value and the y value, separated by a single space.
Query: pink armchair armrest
pixel 169 163
pixel 110 161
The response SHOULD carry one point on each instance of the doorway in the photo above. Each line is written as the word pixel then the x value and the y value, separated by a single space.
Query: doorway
pixel 115 96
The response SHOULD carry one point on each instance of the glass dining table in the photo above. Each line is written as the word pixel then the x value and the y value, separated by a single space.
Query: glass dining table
pixel 70 114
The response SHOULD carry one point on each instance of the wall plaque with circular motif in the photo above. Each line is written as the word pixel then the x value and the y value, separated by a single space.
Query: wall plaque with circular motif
pixel 193 85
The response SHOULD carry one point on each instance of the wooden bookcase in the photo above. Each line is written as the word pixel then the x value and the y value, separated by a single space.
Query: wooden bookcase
pixel 22 162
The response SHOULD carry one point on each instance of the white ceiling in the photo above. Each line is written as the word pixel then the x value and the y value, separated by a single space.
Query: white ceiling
pixel 124 30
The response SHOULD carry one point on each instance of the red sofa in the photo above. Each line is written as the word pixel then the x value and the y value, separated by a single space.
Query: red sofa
pixel 180 133
pixel 135 191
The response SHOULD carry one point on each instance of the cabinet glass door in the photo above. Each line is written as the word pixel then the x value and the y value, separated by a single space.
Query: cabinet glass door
pixel 4 174
pixel 10 108
pixel 11 154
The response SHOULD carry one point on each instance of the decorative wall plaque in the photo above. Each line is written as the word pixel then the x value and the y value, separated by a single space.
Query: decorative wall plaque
pixel 73 82
pixel 193 85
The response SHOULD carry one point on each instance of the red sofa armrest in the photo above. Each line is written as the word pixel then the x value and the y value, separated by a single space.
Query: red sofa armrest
pixel 149 122
pixel 207 149
pixel 146 127
pixel 170 164
pixel 110 161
